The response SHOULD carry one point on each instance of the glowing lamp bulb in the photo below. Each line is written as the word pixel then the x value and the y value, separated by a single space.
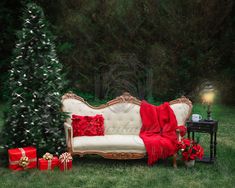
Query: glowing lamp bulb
pixel 208 97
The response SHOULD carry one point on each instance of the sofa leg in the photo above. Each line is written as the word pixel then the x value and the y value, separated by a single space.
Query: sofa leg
pixel 174 160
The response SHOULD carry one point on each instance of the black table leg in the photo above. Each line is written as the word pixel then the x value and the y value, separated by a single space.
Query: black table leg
pixel 211 148
pixel 188 134
pixel 215 143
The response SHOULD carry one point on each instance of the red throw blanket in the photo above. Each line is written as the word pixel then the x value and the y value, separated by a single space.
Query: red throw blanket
pixel 158 131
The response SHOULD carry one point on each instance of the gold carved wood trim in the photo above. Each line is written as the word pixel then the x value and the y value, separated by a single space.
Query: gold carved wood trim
pixel 113 155
pixel 124 156
pixel 182 99
pixel 124 98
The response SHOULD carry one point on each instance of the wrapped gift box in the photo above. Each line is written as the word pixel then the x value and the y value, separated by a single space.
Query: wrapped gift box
pixel 44 164
pixel 66 165
pixel 65 162
pixel 22 158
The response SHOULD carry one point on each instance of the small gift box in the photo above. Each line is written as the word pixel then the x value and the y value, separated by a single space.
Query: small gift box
pixel 22 158
pixel 48 162
pixel 65 161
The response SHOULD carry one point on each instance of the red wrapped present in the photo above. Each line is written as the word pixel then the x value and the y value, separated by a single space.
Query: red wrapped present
pixel 22 158
pixel 65 161
pixel 48 162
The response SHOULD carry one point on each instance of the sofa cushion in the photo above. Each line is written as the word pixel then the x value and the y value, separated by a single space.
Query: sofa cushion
pixel 88 125
pixel 109 143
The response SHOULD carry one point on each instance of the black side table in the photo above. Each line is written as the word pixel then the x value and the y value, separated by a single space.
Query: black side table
pixel 204 126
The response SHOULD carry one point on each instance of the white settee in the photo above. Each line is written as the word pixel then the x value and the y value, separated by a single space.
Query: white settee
pixel 122 124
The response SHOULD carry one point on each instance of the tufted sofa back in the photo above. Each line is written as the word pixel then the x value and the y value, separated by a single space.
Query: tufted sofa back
pixel 120 118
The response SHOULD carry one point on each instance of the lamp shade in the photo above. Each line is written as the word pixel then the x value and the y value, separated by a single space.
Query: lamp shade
pixel 208 97
pixel 208 94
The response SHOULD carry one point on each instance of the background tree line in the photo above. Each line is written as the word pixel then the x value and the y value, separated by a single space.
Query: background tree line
pixel 159 48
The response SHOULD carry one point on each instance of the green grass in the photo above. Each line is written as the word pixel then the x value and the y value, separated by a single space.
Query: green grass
pixel 93 171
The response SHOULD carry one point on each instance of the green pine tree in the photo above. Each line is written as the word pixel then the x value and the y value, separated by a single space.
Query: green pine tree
pixel 35 83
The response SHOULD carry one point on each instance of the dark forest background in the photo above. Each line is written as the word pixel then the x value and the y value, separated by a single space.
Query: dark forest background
pixel 155 49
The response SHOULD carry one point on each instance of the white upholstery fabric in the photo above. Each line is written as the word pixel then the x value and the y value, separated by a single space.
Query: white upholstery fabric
pixel 122 124
pixel 181 111
pixel 122 118
pixel 109 143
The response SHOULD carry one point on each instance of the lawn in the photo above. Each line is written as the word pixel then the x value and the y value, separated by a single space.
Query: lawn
pixel 93 171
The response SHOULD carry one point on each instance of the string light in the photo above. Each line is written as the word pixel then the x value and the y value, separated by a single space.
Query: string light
pixel 27 126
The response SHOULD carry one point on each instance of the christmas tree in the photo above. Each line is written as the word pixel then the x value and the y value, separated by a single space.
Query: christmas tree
pixel 35 83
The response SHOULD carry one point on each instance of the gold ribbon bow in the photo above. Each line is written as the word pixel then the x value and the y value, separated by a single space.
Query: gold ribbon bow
pixel 47 156
pixel 24 161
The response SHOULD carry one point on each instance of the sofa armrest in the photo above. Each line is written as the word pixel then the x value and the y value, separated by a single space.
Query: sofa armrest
pixel 69 136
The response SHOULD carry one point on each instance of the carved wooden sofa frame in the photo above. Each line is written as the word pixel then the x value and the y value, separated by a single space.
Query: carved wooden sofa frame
pixel 125 98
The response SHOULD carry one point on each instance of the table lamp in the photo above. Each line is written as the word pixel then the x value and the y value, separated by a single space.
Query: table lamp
pixel 208 95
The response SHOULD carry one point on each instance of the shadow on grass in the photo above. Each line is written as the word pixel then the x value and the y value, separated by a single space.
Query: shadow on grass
pixel 92 160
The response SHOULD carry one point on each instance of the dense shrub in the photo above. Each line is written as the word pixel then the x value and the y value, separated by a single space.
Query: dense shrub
pixel 179 43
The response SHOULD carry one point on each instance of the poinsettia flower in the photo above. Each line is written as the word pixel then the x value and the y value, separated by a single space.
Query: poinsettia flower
pixel 185 156
pixel 200 152
pixel 187 142
pixel 190 149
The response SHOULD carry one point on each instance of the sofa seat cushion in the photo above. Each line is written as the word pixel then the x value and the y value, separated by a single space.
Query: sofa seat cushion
pixel 109 143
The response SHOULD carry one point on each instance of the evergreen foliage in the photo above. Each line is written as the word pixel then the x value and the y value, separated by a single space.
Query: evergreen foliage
pixel 35 84
pixel 10 22
pixel 182 42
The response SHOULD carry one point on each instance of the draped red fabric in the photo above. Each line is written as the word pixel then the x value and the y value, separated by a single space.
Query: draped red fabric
pixel 182 129
pixel 158 131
